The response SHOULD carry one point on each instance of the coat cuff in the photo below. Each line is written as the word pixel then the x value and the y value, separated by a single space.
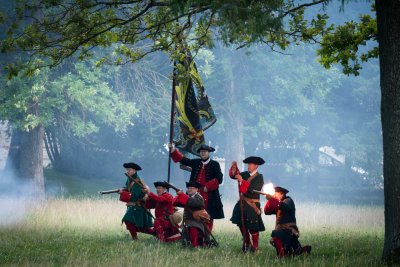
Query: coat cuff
pixel 153 196
pixel 271 207
pixel 150 204
pixel 180 200
pixel 176 156
pixel 244 186
pixel 212 185
pixel 125 196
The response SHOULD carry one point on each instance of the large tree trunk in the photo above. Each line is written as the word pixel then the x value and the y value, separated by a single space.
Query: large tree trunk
pixel 31 165
pixel 25 157
pixel 388 19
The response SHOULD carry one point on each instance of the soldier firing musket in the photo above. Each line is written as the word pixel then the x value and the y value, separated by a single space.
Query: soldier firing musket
pixel 286 234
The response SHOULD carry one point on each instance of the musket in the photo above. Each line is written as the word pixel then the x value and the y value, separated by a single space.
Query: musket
pixel 172 186
pixel 110 191
pixel 138 181
pixel 243 227
pixel 260 192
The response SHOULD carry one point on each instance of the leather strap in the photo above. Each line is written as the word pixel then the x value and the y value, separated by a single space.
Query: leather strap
pixel 252 203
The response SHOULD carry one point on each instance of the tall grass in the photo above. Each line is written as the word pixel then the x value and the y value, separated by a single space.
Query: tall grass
pixel 88 232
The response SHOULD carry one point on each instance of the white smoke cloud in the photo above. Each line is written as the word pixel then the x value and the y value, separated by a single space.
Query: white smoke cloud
pixel 16 198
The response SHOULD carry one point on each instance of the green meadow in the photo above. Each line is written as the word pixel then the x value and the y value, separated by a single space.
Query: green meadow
pixel 88 232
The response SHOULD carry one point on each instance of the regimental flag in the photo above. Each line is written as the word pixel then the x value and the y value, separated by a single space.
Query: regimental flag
pixel 193 112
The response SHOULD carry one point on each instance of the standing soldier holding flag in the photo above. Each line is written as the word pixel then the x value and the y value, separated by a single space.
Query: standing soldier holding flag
pixel 247 212
pixel 207 173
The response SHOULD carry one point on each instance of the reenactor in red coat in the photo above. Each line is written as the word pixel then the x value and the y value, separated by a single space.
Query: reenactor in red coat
pixel 165 229
pixel 285 237
pixel 207 173
pixel 194 217
pixel 247 212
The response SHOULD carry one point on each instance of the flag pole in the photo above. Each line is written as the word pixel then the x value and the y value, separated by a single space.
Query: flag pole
pixel 171 126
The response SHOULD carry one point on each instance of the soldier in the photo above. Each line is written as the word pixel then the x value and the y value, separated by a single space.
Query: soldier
pixel 286 234
pixel 165 229
pixel 247 212
pixel 194 215
pixel 207 173
pixel 137 218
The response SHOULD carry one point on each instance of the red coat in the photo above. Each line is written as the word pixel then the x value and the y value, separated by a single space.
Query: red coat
pixel 162 204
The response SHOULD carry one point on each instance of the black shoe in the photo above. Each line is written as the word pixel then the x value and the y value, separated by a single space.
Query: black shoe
pixel 246 248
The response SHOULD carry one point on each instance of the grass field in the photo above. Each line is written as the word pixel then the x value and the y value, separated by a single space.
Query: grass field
pixel 88 232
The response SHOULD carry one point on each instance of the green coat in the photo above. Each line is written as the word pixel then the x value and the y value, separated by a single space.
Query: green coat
pixel 138 214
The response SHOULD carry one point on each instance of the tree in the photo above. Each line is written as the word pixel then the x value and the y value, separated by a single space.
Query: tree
pixel 60 29
pixel 73 102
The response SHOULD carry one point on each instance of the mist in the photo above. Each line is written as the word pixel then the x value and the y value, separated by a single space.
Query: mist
pixel 318 130
pixel 17 198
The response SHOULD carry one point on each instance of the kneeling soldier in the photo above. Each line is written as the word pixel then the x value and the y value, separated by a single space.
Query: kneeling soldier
pixel 195 217
pixel 165 229
pixel 285 237
pixel 137 218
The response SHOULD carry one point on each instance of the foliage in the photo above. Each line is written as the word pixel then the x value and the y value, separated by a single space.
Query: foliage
pixel 57 30
pixel 77 100
pixel 290 107
pixel 343 44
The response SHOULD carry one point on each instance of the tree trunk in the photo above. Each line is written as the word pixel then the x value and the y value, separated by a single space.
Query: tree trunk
pixel 31 159
pixel 25 157
pixel 389 57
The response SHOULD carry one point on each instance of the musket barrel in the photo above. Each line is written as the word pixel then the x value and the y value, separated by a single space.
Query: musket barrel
pixel 172 186
pixel 259 192
pixel 109 192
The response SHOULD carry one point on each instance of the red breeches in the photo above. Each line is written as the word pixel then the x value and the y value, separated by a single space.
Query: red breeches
pixel 133 230
pixel 164 229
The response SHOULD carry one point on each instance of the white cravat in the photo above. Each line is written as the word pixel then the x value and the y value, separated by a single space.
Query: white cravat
pixel 252 173
pixel 206 162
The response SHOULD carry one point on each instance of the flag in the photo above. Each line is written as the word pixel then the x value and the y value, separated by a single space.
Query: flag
pixel 193 112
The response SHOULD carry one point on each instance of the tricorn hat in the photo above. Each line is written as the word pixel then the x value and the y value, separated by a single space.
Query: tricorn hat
pixel 205 147
pixel 281 189
pixel 163 184
pixel 254 159
pixel 193 184
pixel 131 165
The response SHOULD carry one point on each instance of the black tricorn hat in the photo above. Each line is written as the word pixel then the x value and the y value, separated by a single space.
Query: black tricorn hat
pixel 281 189
pixel 163 184
pixel 131 165
pixel 193 184
pixel 205 147
pixel 254 159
